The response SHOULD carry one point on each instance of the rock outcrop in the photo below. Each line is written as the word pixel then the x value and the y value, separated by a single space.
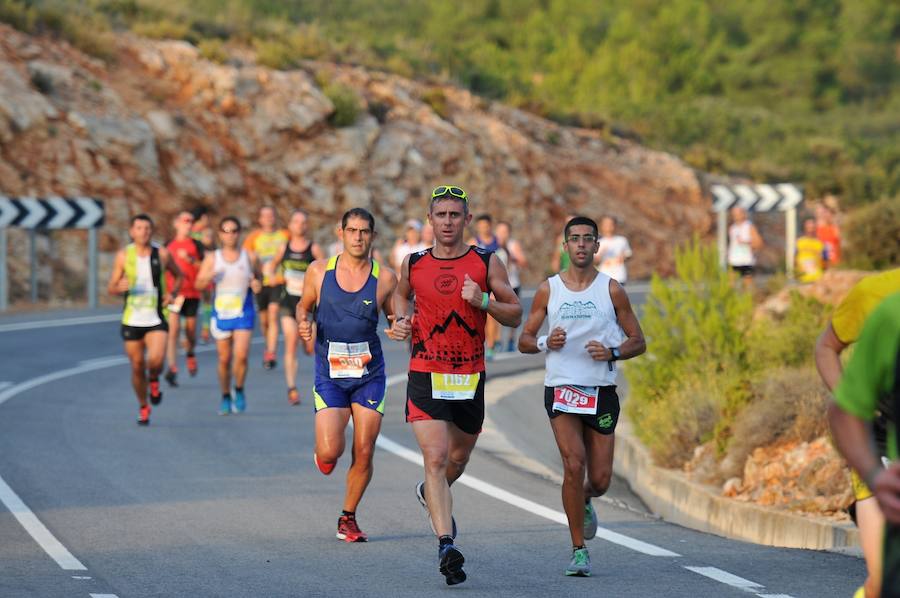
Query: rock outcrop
pixel 162 128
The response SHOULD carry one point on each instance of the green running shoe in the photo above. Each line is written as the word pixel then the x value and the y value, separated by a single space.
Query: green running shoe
pixel 581 563
pixel 590 521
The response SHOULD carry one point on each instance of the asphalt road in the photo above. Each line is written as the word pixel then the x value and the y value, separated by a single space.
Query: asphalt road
pixel 202 505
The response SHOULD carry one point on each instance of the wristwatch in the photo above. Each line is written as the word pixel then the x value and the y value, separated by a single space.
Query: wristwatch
pixel 615 354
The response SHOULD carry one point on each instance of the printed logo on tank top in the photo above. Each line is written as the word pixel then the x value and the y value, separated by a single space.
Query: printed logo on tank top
pixel 446 284
pixel 578 310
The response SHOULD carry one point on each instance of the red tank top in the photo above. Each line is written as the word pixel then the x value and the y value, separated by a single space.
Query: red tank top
pixel 448 333
pixel 188 255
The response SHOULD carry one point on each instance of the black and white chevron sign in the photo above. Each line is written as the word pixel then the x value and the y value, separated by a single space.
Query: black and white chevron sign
pixel 51 212
pixel 757 198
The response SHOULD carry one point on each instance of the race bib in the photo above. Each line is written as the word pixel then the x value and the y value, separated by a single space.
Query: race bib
pixel 229 305
pixel 293 282
pixel 143 298
pixel 454 387
pixel 580 400
pixel 348 360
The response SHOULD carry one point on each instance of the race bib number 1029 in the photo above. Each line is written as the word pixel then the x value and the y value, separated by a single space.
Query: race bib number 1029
pixel 580 400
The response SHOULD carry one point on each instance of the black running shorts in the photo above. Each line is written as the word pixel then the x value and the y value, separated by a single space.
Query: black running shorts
pixel 190 307
pixel 269 295
pixel 607 415
pixel 467 415
pixel 137 333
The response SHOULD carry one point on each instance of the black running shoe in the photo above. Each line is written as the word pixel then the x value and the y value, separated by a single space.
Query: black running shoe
pixel 451 564
pixel 155 393
pixel 172 378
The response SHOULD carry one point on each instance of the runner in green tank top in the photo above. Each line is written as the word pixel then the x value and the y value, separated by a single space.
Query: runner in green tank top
pixel 138 273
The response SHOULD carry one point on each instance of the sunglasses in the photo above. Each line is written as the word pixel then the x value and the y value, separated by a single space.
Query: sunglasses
pixel 445 190
pixel 230 231
pixel 574 239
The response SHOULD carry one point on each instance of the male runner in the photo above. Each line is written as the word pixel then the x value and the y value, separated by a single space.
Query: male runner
pixel 591 326
pixel 137 274
pixel 187 253
pixel 844 329
pixel 203 232
pixel 233 272
pixel 452 283
pixel 265 242
pixel 871 383
pixel 486 239
pixel 513 257
pixel 294 259
pixel 346 291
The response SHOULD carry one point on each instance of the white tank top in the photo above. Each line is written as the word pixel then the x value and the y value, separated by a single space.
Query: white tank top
pixel 740 252
pixel 142 308
pixel 585 316
pixel 232 282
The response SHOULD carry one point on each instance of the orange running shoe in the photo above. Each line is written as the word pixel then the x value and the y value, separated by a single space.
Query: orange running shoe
pixel 348 530
pixel 155 392
pixel 293 397
pixel 144 416
pixel 325 468
pixel 192 365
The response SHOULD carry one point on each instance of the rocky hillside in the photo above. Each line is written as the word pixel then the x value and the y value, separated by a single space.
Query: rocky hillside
pixel 161 128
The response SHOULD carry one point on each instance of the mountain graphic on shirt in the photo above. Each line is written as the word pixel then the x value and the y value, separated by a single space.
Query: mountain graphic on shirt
pixel 456 353
pixel 577 310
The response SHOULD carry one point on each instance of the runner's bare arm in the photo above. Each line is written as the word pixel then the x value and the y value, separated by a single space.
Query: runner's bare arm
pixel 118 282
pixel 206 272
pixel 172 267
pixel 828 356
pixel 317 252
pixel 528 338
pixel 505 308
pixel 402 324
pixel 515 250
pixel 312 282
pixel 256 265
pixel 635 344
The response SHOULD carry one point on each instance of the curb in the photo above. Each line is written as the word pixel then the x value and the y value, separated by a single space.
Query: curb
pixel 676 499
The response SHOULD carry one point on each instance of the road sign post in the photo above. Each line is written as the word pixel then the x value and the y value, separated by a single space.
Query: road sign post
pixel 758 198
pixel 52 213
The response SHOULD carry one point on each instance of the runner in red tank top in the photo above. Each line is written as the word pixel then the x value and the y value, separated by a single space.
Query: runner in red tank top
pixel 452 283
pixel 188 255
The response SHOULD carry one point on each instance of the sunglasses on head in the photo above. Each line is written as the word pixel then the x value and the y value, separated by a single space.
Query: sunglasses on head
pixel 229 231
pixel 445 190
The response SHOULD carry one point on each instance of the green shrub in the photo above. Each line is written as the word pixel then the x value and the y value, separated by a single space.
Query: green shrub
pixel 213 50
pixel 346 104
pixel 275 54
pixel 787 340
pixel 17 15
pixel 872 235
pixel 437 99
pixel 695 325
pixel 165 29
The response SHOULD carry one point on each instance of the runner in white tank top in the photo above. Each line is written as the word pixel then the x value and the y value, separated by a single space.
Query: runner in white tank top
pixel 234 272
pixel 592 326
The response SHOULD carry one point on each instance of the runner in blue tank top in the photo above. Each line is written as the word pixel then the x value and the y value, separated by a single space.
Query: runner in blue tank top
pixel 347 292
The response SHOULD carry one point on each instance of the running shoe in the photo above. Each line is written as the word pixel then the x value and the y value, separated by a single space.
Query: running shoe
pixel 451 564
pixel 581 563
pixel 420 494
pixel 510 346
pixel 293 397
pixel 860 593
pixel 155 392
pixel 172 377
pixel 590 521
pixel 192 365
pixel 225 406
pixel 325 468
pixel 489 354
pixel 144 416
pixel 269 362
pixel 348 530
pixel 240 402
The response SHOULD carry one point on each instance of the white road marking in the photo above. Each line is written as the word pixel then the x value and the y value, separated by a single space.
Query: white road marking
pixel 103 596
pixel 38 530
pixel 727 578
pixel 775 596
pixel 15 327
pixel 514 499
pixel 82 577
pixel 5 384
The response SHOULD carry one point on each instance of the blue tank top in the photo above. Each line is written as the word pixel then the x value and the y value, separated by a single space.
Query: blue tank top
pixel 344 323
pixel 494 244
